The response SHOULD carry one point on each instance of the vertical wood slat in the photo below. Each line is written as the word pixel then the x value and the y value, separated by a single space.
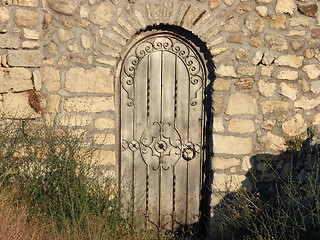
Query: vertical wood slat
pixel 194 166
pixel 126 174
pixel 181 123
pixel 140 168
pixel 168 93
pixel 154 120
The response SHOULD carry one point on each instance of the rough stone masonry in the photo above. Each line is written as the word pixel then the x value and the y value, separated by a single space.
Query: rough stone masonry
pixel 59 61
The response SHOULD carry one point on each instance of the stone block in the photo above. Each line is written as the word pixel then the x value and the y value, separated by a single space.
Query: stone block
pixel 293 61
pixel 102 15
pixel 214 3
pixel 288 90
pixel 51 79
pixel 247 70
pixel 221 84
pixel 244 83
pixel 76 120
pixel 299 21
pixel 217 51
pixel 242 54
pixel 241 103
pixel 215 41
pixel 28 3
pixel 223 182
pixel 104 139
pixel 296 33
pixel 103 157
pixel 257 57
pixel 309 10
pixel 237 125
pixel 315 33
pixel 63 6
pixel 218 124
pixel 228 2
pixel 312 70
pixel 276 42
pixel 297 43
pixel 288 75
pixel 266 89
pixel 217 101
pixel 316 119
pixel 89 104
pixel 235 39
pixel 264 1
pixel 94 80
pixel 246 164
pixel 234 25
pixel 30 45
pixel 226 71
pixel 31 34
pixel 286 6
pixel 73 47
pixel 254 24
pixel 104 123
pixel 86 42
pixel 242 8
pixel 140 19
pixel 26 18
pixel 306 103
pixel 277 21
pixel 268 58
pixel 262 10
pixel 231 145
pixel 17 105
pixel 266 71
pixel 295 126
pixel 274 106
pixel 255 41
pixel 9 41
pixel 36 77
pixel 315 86
pixel 221 163
pixel 4 14
pixel 53 104
pixel 272 143
pixel 15 80
pixel 268 124
pixel 51 48
pixel 65 35
pixel 24 58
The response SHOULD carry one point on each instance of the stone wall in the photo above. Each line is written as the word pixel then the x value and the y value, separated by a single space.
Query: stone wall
pixel 60 59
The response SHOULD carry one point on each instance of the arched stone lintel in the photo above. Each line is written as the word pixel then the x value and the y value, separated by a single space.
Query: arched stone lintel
pixel 190 15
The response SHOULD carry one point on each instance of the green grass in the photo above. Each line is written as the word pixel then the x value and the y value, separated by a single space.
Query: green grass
pixel 52 174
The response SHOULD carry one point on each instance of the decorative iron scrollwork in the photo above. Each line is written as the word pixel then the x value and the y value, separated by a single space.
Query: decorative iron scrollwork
pixel 160 145
pixel 188 152
pixel 161 43
pixel 134 145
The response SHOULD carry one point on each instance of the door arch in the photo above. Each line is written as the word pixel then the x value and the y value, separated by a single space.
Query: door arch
pixel 162 87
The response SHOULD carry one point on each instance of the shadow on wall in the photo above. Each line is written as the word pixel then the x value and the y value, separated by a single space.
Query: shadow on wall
pixel 200 229
pixel 284 202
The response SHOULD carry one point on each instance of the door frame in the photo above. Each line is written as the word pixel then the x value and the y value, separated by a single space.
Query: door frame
pixel 184 35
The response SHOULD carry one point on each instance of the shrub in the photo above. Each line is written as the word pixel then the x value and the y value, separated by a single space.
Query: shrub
pixel 54 174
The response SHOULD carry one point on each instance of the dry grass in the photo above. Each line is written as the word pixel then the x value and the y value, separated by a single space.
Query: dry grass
pixel 14 224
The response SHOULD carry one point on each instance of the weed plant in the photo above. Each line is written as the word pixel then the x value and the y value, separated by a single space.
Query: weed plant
pixel 50 171
pixel 290 211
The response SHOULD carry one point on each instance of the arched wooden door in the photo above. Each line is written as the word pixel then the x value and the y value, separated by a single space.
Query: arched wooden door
pixel 162 115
